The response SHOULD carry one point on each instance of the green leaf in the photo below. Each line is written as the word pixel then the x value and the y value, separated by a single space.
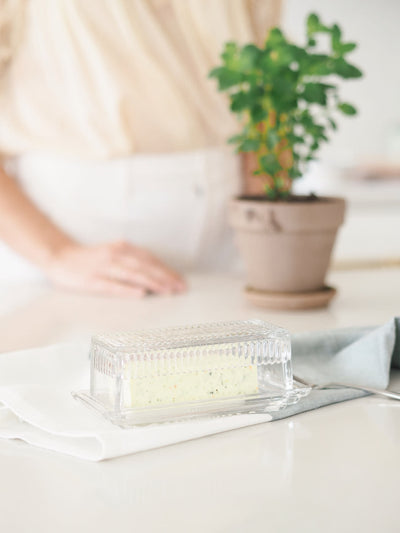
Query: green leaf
pixel 236 138
pixel 270 164
pixel 347 109
pixel 294 139
pixel 332 123
pixel 226 77
pixel 346 70
pixel 316 130
pixel 342 48
pixel 215 72
pixel 258 113
pixel 283 92
pixel 275 37
pixel 336 32
pixel 298 53
pixel 272 138
pixel 245 99
pixel 348 47
pixel 282 56
pixel 305 119
pixel 249 145
pixel 272 194
pixel 294 173
pixel 317 65
pixel 249 57
pixel 229 55
pixel 315 93
pixel 313 24
pixel 314 146
pixel 239 101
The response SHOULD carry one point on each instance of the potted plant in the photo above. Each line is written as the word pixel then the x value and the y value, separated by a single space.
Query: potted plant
pixel 286 97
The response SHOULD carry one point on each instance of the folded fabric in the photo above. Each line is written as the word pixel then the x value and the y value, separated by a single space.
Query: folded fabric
pixel 357 356
pixel 37 406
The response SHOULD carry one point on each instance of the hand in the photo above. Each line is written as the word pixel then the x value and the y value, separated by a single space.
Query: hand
pixel 119 269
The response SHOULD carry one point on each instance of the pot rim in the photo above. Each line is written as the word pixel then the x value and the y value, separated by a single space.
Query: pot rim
pixel 259 200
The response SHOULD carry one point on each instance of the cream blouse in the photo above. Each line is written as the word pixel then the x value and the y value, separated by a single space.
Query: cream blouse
pixel 107 78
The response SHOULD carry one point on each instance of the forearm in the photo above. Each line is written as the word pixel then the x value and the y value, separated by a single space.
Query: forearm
pixel 118 268
pixel 24 227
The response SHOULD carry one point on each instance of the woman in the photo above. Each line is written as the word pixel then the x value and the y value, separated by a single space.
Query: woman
pixel 111 133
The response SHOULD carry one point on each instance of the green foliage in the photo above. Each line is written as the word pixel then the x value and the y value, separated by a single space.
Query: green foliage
pixel 285 97
pixel 347 109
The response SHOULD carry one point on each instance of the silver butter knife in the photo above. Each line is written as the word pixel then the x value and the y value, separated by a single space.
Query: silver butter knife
pixel 379 392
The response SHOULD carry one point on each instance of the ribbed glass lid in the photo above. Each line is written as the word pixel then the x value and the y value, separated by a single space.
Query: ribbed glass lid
pixel 189 336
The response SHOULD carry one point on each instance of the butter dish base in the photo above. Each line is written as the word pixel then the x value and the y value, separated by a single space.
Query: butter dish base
pixel 250 404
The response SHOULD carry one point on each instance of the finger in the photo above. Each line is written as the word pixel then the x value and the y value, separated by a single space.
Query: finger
pixel 147 257
pixel 157 270
pixel 163 276
pixel 160 269
pixel 160 280
pixel 112 287
pixel 138 278
pixel 140 260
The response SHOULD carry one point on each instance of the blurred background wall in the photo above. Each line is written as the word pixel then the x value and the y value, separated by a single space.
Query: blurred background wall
pixel 375 25
pixel 362 161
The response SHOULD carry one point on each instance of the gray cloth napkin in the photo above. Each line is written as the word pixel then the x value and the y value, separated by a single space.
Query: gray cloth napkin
pixel 358 356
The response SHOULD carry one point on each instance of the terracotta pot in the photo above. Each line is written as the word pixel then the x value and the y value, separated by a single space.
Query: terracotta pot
pixel 286 246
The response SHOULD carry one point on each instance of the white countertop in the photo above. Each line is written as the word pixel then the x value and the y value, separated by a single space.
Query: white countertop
pixel 334 469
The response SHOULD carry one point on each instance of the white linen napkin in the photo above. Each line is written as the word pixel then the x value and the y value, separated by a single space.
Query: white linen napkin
pixel 37 407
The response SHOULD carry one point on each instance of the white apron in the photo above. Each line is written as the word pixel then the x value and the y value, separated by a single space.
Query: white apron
pixel 172 204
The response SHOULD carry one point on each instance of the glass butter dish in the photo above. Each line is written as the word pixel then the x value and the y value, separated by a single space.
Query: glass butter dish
pixel 162 375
